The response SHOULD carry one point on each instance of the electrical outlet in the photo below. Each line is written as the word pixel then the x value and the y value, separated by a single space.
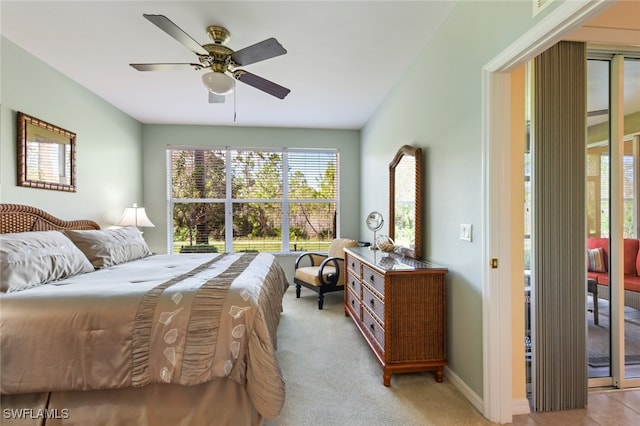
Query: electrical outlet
pixel 465 232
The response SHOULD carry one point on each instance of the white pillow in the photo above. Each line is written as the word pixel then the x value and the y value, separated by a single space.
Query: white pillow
pixel 28 259
pixel 109 247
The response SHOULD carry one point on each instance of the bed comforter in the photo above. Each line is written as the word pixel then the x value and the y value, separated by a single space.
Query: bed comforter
pixel 163 319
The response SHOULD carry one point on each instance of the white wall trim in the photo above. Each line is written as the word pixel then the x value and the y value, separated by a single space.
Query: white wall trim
pixel 496 289
pixel 568 16
pixel 520 406
pixel 498 404
pixel 462 387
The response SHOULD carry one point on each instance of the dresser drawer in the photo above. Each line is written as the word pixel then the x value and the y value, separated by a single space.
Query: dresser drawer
pixel 373 302
pixel 373 278
pixel 373 328
pixel 353 283
pixel 353 265
pixel 353 302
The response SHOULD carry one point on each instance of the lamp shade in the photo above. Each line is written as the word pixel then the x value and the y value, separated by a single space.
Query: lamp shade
pixel 218 83
pixel 135 216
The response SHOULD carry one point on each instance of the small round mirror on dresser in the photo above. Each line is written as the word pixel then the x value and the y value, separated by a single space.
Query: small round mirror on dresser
pixel 374 222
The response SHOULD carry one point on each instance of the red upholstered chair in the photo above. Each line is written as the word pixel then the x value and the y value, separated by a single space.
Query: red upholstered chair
pixel 325 272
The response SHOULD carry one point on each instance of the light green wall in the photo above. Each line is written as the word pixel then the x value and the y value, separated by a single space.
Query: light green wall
pixel 108 151
pixel 156 138
pixel 437 105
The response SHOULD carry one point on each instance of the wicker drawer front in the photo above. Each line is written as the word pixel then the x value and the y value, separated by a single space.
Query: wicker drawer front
pixel 373 278
pixel 373 328
pixel 353 302
pixel 373 302
pixel 353 283
pixel 353 265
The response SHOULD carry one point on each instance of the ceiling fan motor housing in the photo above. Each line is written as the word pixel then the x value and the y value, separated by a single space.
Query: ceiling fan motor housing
pixel 219 57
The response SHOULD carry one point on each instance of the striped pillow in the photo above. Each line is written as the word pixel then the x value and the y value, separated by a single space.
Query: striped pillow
pixel 596 260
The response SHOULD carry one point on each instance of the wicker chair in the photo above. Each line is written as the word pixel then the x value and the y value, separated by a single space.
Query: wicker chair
pixel 326 271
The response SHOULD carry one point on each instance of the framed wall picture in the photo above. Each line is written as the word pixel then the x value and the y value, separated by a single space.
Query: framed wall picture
pixel 46 155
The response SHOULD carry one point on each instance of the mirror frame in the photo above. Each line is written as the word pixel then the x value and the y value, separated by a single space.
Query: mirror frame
pixel 57 133
pixel 409 151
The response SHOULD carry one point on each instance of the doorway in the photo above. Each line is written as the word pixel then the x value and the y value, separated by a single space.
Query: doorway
pixel 500 341
pixel 613 200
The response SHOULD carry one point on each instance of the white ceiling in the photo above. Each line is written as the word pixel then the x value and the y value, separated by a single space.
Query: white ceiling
pixel 343 56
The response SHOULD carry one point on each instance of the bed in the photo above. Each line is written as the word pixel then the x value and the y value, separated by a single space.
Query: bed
pixel 97 330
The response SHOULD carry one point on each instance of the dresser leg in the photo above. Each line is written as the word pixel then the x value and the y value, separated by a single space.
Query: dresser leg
pixel 386 379
pixel 439 375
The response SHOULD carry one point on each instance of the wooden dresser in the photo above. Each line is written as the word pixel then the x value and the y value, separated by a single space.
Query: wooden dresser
pixel 398 304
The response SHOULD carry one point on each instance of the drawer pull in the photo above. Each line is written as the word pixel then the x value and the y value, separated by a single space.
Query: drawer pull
pixel 373 328
pixel 371 302
pixel 353 303
pixel 353 264
pixel 353 283
pixel 372 278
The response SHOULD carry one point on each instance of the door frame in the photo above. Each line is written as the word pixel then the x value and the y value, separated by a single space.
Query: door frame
pixel 498 402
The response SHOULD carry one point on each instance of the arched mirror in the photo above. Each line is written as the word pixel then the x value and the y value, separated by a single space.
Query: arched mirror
pixel 405 200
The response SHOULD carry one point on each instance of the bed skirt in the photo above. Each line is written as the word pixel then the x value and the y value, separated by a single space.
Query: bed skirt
pixel 219 402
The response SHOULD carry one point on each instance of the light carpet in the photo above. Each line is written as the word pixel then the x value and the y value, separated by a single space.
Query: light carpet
pixel 333 378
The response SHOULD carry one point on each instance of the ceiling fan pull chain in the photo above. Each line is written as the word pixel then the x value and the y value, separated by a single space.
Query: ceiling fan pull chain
pixel 234 100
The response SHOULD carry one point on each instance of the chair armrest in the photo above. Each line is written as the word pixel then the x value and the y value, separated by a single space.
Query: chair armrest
pixel 313 258
pixel 332 277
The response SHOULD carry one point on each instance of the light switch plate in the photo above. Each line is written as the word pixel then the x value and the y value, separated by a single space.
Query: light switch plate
pixel 465 232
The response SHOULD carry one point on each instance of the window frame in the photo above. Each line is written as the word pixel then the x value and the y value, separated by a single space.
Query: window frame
pixel 229 200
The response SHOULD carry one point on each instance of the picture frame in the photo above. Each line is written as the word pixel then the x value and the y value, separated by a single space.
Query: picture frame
pixel 46 155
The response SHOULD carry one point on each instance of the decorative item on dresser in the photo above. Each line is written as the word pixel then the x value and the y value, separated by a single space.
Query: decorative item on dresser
pixel 399 306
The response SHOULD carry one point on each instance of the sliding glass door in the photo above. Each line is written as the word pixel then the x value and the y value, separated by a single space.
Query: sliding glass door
pixel 613 194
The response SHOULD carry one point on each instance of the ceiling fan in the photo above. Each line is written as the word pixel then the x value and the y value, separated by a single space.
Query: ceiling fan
pixel 222 61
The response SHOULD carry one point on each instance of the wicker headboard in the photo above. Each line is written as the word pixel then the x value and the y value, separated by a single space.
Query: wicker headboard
pixel 22 218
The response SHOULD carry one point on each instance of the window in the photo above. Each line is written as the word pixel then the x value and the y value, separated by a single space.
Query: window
pixel 236 199
pixel 598 190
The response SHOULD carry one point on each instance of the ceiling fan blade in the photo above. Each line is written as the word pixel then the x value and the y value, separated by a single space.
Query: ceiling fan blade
pixel 166 25
pixel 216 99
pixel 165 67
pixel 266 49
pixel 261 84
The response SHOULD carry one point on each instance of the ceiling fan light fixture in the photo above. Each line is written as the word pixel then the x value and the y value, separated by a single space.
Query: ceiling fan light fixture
pixel 218 83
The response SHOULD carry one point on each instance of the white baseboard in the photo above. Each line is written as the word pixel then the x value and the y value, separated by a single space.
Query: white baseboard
pixel 519 406
pixel 465 390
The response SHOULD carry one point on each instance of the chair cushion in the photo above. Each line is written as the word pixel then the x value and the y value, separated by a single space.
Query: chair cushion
pixel 336 249
pixel 309 274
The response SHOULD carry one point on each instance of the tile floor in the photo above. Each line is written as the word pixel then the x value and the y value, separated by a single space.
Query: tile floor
pixel 606 408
